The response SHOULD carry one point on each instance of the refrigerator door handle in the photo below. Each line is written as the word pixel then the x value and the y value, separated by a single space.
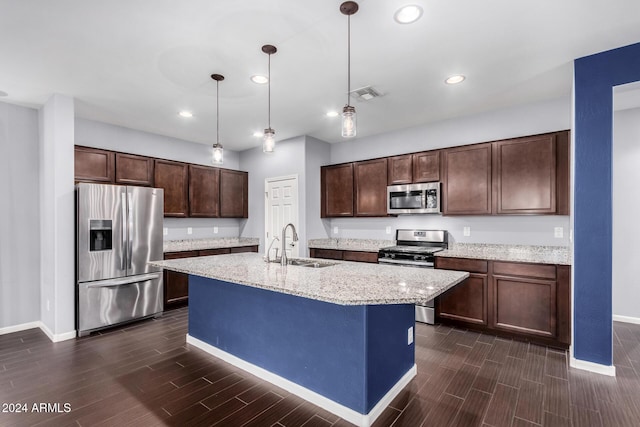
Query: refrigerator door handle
pixel 130 228
pixel 124 281
pixel 123 246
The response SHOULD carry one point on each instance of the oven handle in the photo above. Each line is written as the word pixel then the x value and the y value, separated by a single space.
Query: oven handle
pixel 408 263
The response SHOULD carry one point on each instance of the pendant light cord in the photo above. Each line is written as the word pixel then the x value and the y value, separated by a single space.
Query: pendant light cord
pixel 269 89
pixel 348 57
pixel 217 112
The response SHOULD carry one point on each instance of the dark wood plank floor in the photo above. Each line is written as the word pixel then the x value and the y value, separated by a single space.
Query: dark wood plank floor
pixel 145 375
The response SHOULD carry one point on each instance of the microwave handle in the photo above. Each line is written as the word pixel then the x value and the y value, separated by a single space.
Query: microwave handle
pixel 423 199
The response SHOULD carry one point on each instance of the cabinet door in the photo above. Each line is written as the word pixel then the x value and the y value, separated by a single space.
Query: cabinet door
pixel 426 166
pixel 467 180
pixel 336 184
pixel 134 170
pixel 370 178
pixel 94 165
pixel 234 194
pixel 176 285
pixel 400 169
pixel 466 301
pixel 173 177
pixel 204 195
pixel 524 177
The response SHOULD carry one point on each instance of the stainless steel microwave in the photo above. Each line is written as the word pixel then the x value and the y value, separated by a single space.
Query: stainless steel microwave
pixel 413 198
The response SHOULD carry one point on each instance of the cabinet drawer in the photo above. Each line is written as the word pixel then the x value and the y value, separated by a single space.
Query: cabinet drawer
pixel 326 253
pixel 462 264
pixel 360 256
pixel 240 249
pixel 543 271
pixel 183 254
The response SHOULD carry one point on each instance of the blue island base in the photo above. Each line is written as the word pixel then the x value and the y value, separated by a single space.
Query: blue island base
pixel 349 360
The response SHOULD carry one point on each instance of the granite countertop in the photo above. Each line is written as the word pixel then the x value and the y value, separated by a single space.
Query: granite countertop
pixel 363 245
pixel 518 253
pixel 214 243
pixel 344 283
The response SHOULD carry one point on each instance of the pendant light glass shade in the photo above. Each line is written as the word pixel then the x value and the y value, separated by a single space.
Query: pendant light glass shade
pixel 218 154
pixel 268 140
pixel 348 121
pixel 217 157
pixel 348 112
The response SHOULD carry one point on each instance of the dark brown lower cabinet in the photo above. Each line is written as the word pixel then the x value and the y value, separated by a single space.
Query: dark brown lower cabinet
pixel 519 300
pixel 176 285
pixel 358 256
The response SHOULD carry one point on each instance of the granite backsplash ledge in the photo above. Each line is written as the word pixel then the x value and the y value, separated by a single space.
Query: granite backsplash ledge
pixel 345 244
pixel 212 243
pixel 517 253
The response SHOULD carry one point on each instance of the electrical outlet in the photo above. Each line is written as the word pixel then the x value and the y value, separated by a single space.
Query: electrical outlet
pixel 335 230
pixel 410 336
pixel 165 231
pixel 48 306
pixel 387 230
pixel 215 230
pixel 558 232
pixel 189 230
pixel 466 231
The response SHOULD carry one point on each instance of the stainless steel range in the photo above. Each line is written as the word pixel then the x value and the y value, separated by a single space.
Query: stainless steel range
pixel 416 248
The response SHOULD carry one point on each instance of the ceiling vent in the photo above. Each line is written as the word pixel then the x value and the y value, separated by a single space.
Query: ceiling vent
pixel 366 93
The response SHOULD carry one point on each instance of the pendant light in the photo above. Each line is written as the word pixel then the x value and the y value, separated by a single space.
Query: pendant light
pixel 348 112
pixel 268 141
pixel 218 151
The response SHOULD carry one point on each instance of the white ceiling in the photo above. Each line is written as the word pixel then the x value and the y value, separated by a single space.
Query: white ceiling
pixel 136 63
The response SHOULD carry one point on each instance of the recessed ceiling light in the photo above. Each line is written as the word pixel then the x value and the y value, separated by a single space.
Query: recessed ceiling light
pixel 258 134
pixel 3 93
pixel 186 114
pixel 408 14
pixel 452 80
pixel 332 114
pixel 258 79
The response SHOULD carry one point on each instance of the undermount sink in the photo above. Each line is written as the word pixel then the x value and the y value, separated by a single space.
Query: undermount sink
pixel 307 263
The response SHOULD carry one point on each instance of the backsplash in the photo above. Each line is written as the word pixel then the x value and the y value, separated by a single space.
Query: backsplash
pixel 201 228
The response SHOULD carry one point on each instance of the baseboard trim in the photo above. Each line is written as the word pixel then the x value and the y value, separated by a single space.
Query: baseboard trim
pixel 362 420
pixel 56 337
pixel 18 328
pixel 592 367
pixel 626 319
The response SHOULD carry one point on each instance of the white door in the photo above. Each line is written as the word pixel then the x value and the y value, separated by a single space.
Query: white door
pixel 281 208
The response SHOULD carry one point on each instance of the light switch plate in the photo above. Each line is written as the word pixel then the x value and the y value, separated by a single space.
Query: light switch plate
pixel 388 230
pixel 165 231
pixel 558 232
pixel 466 231
pixel 335 230
pixel 189 230
pixel 215 230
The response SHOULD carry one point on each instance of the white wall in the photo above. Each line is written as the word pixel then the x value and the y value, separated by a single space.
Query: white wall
pixel 19 216
pixel 288 158
pixel 626 211
pixel 57 223
pixel 318 153
pixel 111 137
pixel 524 120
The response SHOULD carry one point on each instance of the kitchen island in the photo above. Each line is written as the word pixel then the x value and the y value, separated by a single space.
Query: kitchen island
pixel 338 334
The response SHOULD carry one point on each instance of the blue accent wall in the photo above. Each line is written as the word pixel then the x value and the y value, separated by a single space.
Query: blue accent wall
pixel 595 77
pixel 352 355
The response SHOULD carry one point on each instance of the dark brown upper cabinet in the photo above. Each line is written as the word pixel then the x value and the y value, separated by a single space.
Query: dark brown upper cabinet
pixel 173 177
pixel 413 168
pixel 466 188
pixel 400 170
pixel 94 165
pixel 204 191
pixel 524 175
pixel 370 182
pixel 426 166
pixel 336 187
pixel 134 170
pixel 234 194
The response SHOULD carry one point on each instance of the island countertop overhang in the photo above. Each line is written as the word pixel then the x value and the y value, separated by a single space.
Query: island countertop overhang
pixel 344 283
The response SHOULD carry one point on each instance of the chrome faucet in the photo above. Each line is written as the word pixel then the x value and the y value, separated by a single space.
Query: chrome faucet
pixel 269 250
pixel 283 254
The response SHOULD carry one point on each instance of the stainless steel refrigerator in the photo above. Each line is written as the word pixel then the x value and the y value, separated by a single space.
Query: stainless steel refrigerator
pixel 119 229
